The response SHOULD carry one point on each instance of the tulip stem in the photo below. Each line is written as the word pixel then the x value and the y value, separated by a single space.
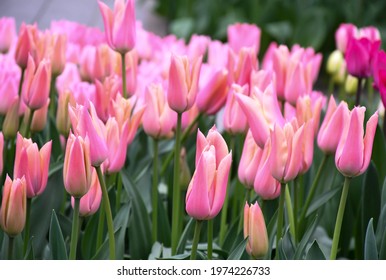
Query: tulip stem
pixel 359 91
pixel 10 247
pixel 154 196
pixel 53 97
pixel 224 210
pixel 339 218
pixel 75 229
pixel 384 125
pixel 27 225
pixel 246 200
pixel 101 223
pixel 196 237
pixel 313 189
pixel 27 131
pixel 280 217
pixel 331 86
pixel 107 208
pixel 288 204
pixel 210 239
pixel 124 93
pixel 119 192
pixel 21 81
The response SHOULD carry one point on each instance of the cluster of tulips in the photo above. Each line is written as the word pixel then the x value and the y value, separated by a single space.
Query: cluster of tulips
pixel 90 95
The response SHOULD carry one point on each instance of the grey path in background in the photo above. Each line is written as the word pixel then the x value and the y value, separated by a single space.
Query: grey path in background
pixel 83 11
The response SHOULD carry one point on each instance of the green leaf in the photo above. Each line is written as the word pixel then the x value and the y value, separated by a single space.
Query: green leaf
pixel 56 150
pixel 104 253
pixel 121 220
pixel 139 224
pixel 382 253
pixel 315 253
pixel 156 251
pixel 271 230
pixel 371 252
pixel 286 247
pixel 185 235
pixel 381 227
pixel 88 239
pixel 238 252
pixel 164 232
pixel 379 153
pixel 383 198
pixel 371 197
pixel 231 236
pixel 321 200
pixel 281 31
pixel 299 253
pixel 185 256
pixel 56 241
pixel 29 255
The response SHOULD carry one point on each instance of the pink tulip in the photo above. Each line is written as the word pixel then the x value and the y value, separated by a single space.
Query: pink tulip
pixel 90 202
pixel 77 166
pixel 370 32
pixel 262 111
pixel 32 164
pixel 13 206
pixel 207 189
pixel 256 231
pixel 63 123
pixel 197 46
pixel 39 118
pixel 280 59
pixel 213 89
pixel 36 86
pixel 359 57
pixel 56 52
pixel 96 62
pixel 244 35
pixel 217 51
pixel 332 126
pixel 353 154
pixel 379 63
pixel 7 33
pixel 240 65
pixel 344 34
pixel 267 63
pixel 87 123
pixel 262 79
pixel 382 85
pixel 249 161
pixel 25 44
pixel 119 25
pixel 11 121
pixel 296 81
pixel 104 92
pixel 158 119
pixel 131 72
pixel 309 108
pixel 235 120
pixel 8 92
pixel 183 83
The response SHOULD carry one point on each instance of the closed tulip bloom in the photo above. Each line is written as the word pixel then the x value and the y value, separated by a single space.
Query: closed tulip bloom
pixel 332 126
pixel 77 166
pixel 33 164
pixel 382 85
pixel 11 121
pixel 308 108
pixel 25 44
pixel 235 120
pixel 183 83
pixel 57 52
pixel 104 92
pixel 370 32
pixel 39 118
pixel 249 161
pixel 280 59
pixel 256 231
pixel 158 119
pixel 13 206
pixel 7 33
pixel 8 92
pixel 63 123
pixel 90 202
pixel 379 64
pixel 353 154
pixel 240 65
pixel 36 86
pixel 244 35
pixel 119 25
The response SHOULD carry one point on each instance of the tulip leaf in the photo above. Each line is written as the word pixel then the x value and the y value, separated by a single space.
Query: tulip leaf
pixel 56 241
pixel 238 252
pixel 139 223
pixel 185 256
pixel 321 200
pixel 383 198
pixel 185 235
pixel 121 220
pixel 164 232
pixel 156 251
pixel 29 255
pixel 371 252
pixel 231 236
pixel 56 150
pixel 382 252
pixel 300 250
pixel 89 237
pixel 271 230
pixel 315 253
pixel 379 152
pixel 287 247
pixel 103 252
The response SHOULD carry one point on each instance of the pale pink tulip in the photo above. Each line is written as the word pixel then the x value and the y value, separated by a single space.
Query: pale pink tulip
pixel 244 35
pixel 255 230
pixel 235 120
pixel 249 161
pixel 7 33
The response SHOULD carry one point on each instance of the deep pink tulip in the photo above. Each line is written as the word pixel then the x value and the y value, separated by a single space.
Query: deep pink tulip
pixel 359 56
pixel 256 231
pixel 85 123
pixel 7 33
pixel 90 202
pixel 244 35
pixel 382 85
pixel 119 25
pixel 353 154
pixel 26 44
pixel 13 206
pixel 262 111
pixel 213 90
pixel 249 161
pixel 32 164
pixel 36 86
pixel 370 32
pixel 379 63
pixel 208 186
pixel 158 119
pixel 235 120
pixel 77 166
pixel 332 126
pixel 344 33
pixel 183 83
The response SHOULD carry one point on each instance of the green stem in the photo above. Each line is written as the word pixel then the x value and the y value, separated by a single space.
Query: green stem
pixel 21 81
pixel 313 189
pixel 280 217
pixel 10 247
pixel 196 237
pixel 370 90
pixel 154 197
pixel 290 211
pixel 210 239
pixel 27 226
pixel 359 90
pixel 101 225
pixel 119 192
pixel 176 186
pixel 27 131
pixel 241 219
pixel 109 216
pixel 53 97
pixel 331 86
pixel 224 210
pixel 339 218
pixel 75 229
pixel 124 93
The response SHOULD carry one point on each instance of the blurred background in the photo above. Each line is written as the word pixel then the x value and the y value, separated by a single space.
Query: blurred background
pixel 307 22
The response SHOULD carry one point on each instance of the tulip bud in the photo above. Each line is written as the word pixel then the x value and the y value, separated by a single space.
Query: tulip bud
pixel 249 161
pixel 11 121
pixel 39 118
pixel 63 123
pixel 235 120
pixel 351 85
pixel 13 206
pixel 7 33
pixel 334 62
pixel 256 231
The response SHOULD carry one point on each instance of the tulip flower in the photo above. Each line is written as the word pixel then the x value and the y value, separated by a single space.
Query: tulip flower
pixel 379 64
pixel 353 153
pixel 63 123
pixel 235 120
pixel 25 44
pixel 32 164
pixel 240 65
pixel 249 161
pixel 197 46
pixel 39 118
pixel 256 231
pixel 13 206
pixel 90 202
pixel 11 121
pixel 370 32
pixel 95 62
pixel 244 35
pixel 36 87
pixel 309 107
pixel 207 189
pixel 56 52
pixel 8 92
pixel 7 33
pixel 344 34
pixel 183 83
pixel 119 25
pixel 77 166
pixel 104 92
